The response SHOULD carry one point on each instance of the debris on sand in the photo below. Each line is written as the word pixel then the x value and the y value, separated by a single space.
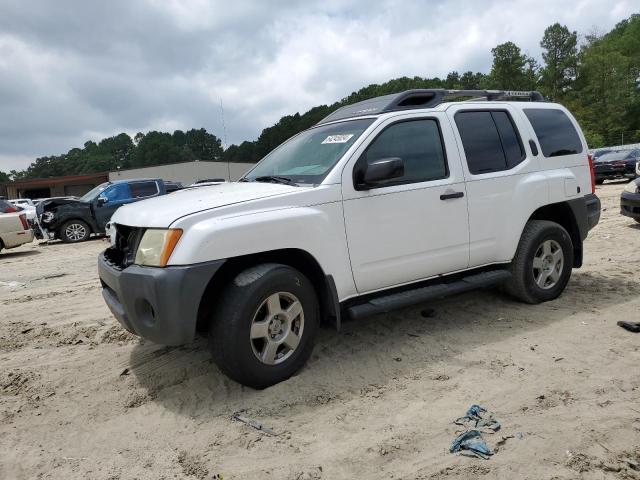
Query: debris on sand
pixel 253 423
pixel 631 326
pixel 470 442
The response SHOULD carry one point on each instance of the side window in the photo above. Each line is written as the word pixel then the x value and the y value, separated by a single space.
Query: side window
pixel 117 192
pixel 418 143
pixel 555 132
pixel 490 140
pixel 143 189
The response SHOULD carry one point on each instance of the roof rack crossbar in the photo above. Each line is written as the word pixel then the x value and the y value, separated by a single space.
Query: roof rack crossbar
pixel 423 98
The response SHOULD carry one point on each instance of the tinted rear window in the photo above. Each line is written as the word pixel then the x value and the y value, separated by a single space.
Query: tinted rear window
pixel 5 206
pixel 490 141
pixel 556 133
pixel 143 189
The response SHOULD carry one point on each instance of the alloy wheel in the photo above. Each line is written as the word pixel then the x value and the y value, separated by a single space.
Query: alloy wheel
pixel 277 328
pixel 75 232
pixel 548 263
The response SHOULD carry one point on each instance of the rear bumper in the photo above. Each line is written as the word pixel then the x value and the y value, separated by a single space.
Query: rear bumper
pixel 630 204
pixel 610 173
pixel 159 304
pixel 15 239
pixel 586 211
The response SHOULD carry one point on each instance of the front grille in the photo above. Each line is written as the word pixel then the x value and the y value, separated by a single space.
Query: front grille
pixel 123 253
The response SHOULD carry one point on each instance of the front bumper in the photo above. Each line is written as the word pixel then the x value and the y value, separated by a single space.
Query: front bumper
pixel 159 304
pixel 630 204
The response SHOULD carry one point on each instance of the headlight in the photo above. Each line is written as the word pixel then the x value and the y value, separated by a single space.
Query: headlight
pixel 156 246
pixel 632 187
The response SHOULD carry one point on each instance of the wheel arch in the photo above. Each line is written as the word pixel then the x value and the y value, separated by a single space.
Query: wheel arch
pixel 301 260
pixel 562 214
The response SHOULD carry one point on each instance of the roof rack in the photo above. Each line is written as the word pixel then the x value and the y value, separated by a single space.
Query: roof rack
pixel 422 98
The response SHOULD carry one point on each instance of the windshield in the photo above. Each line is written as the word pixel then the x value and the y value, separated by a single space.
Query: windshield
pixel 94 192
pixel 310 156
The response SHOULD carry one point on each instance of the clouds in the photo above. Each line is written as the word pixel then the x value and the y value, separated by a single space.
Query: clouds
pixel 74 70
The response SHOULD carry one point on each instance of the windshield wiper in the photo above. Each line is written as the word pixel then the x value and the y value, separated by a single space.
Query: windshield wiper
pixel 275 179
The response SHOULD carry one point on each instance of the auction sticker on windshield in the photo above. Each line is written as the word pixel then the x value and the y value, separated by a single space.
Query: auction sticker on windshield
pixel 338 138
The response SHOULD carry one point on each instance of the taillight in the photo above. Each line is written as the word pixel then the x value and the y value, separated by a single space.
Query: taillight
pixel 23 219
pixel 593 174
pixel 11 210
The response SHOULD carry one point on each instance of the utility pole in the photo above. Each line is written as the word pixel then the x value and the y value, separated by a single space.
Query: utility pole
pixel 224 138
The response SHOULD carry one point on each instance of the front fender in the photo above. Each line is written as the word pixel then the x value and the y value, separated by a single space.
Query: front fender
pixel 316 229
pixel 64 213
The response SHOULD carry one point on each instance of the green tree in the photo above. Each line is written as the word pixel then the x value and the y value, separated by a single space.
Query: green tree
pixel 510 69
pixel 472 81
pixel 4 177
pixel 606 97
pixel 560 56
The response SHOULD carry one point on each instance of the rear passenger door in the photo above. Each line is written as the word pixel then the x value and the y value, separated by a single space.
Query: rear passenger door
pixel 497 160
pixel 415 226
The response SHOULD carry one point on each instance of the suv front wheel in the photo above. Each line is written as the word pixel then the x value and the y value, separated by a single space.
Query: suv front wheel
pixel 263 329
pixel 542 265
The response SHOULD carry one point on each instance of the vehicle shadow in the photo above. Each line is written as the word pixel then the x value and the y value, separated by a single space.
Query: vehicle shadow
pixel 92 238
pixel 9 254
pixel 368 352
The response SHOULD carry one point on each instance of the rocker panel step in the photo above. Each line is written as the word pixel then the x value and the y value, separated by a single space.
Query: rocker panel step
pixel 394 301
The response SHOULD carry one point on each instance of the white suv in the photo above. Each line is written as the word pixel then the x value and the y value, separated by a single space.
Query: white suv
pixel 386 203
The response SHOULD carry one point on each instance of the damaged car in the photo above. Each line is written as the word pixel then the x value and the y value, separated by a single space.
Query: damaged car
pixel 75 220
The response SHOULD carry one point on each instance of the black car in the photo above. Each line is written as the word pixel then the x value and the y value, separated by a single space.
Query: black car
pixel 621 164
pixel 630 200
pixel 599 153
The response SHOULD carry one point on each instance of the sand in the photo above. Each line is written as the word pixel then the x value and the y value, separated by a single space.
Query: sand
pixel 80 398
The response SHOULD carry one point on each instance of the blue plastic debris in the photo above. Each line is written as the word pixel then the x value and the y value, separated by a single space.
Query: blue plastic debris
pixel 474 418
pixel 470 442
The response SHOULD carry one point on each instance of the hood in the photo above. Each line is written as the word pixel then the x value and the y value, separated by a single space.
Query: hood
pixel 160 212
pixel 56 202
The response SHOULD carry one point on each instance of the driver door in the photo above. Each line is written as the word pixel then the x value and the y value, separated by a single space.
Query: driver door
pixel 413 227
pixel 115 195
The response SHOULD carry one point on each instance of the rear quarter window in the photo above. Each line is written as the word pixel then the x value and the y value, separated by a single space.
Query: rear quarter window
pixel 143 189
pixel 555 132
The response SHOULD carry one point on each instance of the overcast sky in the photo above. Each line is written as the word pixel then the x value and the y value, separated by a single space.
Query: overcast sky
pixel 77 70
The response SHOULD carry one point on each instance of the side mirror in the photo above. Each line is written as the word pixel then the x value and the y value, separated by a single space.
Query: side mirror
pixel 382 170
pixel 102 200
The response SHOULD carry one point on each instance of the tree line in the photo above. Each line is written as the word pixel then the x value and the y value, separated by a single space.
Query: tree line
pixel 597 78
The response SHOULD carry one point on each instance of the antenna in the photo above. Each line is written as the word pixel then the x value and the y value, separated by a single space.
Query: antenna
pixel 224 138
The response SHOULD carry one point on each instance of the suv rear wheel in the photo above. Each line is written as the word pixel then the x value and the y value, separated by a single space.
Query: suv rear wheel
pixel 542 265
pixel 263 330
pixel 74 231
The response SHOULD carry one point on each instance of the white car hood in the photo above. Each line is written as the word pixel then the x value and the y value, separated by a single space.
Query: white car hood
pixel 161 212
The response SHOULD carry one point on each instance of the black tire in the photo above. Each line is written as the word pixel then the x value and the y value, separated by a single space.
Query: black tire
pixel 230 342
pixel 636 219
pixel 599 181
pixel 523 283
pixel 83 232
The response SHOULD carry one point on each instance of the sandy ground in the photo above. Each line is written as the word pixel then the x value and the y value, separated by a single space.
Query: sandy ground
pixel 81 399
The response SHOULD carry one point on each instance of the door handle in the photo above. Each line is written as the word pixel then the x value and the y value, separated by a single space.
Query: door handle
pixel 449 196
